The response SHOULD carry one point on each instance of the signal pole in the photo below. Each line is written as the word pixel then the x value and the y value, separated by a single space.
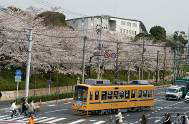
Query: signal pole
pixel 157 68
pixel 117 59
pixel 142 59
pixel 174 66
pixel 28 62
pixel 83 62
pixel 99 32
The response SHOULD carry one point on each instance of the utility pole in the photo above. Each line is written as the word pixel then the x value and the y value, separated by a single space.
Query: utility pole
pixel 83 62
pixel 28 62
pixel 117 60
pixel 164 62
pixel 99 32
pixel 157 67
pixel 142 59
pixel 174 66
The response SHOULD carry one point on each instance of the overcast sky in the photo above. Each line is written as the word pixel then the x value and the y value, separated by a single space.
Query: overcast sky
pixel 171 14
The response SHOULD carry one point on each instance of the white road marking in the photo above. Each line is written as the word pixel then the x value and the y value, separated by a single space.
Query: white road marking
pixel 52 105
pixel 48 119
pixel 40 118
pixel 156 121
pixel 56 110
pixel 78 121
pixel 99 122
pixel 2 116
pixel 16 118
pixel 5 118
pixel 59 119
pixel 92 120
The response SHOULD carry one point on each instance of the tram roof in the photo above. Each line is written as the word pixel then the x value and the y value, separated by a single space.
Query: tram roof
pixel 114 85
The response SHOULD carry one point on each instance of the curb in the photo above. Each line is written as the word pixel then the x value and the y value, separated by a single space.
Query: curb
pixel 162 86
pixel 59 100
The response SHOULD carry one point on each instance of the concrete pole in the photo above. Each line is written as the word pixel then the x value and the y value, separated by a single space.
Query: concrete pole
pixel 99 48
pixel 157 67
pixel 117 60
pixel 142 63
pixel 28 62
pixel 139 74
pixel 83 62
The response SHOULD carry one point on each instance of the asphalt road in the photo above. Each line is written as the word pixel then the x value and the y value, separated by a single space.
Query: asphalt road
pixel 61 113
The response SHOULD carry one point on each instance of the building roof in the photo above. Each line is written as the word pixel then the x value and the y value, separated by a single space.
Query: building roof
pixel 107 16
pixel 103 16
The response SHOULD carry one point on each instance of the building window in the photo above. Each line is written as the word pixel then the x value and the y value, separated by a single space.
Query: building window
pixel 128 24
pixel 129 31
pixel 135 32
pixel 122 22
pixel 134 25
pixel 121 30
pixel 112 25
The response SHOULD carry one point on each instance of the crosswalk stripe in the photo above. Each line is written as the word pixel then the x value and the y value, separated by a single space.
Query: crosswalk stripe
pixel 4 116
pixel 99 122
pixel 16 118
pixel 59 119
pixel 25 119
pixel 156 121
pixel 36 119
pixel 78 121
pixel 46 119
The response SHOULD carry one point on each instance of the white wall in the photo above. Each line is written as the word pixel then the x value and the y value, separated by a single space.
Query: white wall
pixel 122 25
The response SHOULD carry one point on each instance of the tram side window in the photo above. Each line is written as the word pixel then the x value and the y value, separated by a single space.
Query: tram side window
pixel 121 95
pixel 109 94
pixel 150 93
pixel 127 94
pixel 91 95
pixel 97 95
pixel 133 93
pixel 115 94
pixel 104 95
pixel 145 93
pixel 139 93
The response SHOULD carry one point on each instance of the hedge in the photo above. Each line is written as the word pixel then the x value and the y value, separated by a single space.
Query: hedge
pixel 47 97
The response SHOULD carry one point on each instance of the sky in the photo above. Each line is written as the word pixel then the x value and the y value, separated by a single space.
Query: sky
pixel 173 15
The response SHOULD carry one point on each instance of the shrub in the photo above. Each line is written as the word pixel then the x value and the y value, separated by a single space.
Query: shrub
pixel 47 97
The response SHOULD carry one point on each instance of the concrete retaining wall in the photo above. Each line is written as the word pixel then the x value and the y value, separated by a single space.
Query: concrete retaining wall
pixel 11 95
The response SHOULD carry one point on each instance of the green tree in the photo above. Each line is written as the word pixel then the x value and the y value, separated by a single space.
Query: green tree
pixel 159 33
pixel 178 41
pixel 52 18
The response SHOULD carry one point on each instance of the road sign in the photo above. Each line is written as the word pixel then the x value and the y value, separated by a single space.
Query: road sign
pixel 107 54
pixel 18 72
pixel 49 82
pixel 114 55
pixel 18 78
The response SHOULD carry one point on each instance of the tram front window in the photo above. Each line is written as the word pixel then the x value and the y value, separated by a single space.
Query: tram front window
pixel 81 93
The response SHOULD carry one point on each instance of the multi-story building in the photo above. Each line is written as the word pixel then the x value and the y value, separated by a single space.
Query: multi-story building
pixel 129 27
